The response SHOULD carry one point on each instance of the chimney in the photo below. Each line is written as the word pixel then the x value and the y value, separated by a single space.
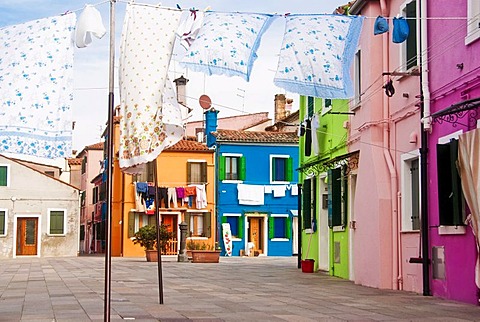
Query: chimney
pixel 210 125
pixel 280 102
pixel 181 84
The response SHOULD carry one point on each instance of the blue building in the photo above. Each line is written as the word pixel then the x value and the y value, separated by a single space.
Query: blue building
pixel 257 191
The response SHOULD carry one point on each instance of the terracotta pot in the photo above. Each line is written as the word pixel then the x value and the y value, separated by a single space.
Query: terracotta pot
pixel 152 255
pixel 205 256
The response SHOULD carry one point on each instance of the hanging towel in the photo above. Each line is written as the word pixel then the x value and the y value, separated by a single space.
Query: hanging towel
pixel 227 43
pixel 380 26
pixel 279 191
pixel 189 27
pixel 36 87
pixel 250 194
pixel 400 30
pixel 89 23
pixel 316 55
pixel 151 117
pixel 201 199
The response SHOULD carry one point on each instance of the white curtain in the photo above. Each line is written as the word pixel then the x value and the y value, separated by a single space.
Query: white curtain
pixel 469 168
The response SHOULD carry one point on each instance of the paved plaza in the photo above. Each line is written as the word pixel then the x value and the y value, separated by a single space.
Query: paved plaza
pixel 236 289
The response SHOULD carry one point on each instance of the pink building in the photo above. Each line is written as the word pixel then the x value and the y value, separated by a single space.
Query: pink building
pixel 384 202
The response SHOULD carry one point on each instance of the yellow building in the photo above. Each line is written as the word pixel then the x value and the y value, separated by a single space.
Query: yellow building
pixel 188 165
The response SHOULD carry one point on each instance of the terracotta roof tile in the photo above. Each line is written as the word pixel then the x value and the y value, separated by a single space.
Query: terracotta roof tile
pixel 74 161
pixel 254 136
pixel 189 145
pixel 96 146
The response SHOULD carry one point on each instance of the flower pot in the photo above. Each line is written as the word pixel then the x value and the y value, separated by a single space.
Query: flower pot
pixel 308 265
pixel 152 255
pixel 205 256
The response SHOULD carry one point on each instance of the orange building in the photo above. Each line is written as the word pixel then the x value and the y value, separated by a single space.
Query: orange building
pixel 187 164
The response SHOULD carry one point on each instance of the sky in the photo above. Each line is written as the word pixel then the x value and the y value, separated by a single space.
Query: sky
pixel 229 95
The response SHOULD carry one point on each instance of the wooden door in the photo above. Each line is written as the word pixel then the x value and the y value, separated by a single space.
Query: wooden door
pixel 27 230
pixel 255 233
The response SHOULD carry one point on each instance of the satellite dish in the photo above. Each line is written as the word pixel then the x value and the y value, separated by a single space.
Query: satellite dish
pixel 205 102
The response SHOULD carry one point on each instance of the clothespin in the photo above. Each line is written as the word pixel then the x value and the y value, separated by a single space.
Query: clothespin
pixel 178 7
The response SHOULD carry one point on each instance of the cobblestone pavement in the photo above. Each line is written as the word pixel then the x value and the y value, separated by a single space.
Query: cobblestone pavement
pixel 236 289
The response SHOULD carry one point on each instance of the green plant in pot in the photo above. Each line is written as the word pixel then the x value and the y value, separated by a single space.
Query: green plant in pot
pixel 147 238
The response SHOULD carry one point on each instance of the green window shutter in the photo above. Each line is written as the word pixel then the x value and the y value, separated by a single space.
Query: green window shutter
pixel 224 219
pixel 3 176
pixel 288 225
pixel 221 168
pixel 289 169
pixel 2 222
pixel 131 224
pixel 207 226
pixel 56 222
pixel 240 227
pixel 310 105
pixel 336 184
pixel 456 184
pixel 242 168
pixel 307 202
pixel 271 228
pixel 274 168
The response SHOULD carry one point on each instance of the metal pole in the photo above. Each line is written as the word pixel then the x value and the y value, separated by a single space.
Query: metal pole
pixel 299 226
pixel 159 250
pixel 109 168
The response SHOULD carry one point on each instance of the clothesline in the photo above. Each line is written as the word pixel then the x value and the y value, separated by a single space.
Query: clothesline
pixel 272 14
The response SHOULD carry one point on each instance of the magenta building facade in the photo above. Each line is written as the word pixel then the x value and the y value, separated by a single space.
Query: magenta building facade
pixel 454 77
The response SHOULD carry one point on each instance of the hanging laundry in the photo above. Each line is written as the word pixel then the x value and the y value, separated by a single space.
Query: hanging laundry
pixel 151 118
pixel 36 87
pixel 201 200
pixel 249 194
pixel 279 191
pixel 308 138
pixel 380 26
pixel 189 27
pixel 89 23
pixel 316 55
pixel 227 43
pixel 315 126
pixel 294 190
pixel 400 30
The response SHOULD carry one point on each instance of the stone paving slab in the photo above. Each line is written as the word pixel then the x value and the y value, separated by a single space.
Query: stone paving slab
pixel 236 289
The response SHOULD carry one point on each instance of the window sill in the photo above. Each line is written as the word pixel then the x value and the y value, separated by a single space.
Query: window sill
pixel 410 231
pixel 280 182
pixel 56 235
pixel 472 37
pixel 452 230
pixel 279 239
pixel 338 228
pixel 232 181
pixel 309 231
pixel 197 238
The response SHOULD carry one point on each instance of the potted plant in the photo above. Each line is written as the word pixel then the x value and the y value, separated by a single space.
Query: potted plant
pixel 147 238
pixel 205 253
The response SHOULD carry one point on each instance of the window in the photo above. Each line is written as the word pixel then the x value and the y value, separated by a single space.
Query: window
pixel 357 70
pixel 232 167
pixel 337 197
pixel 409 46
pixel 279 226
pixel 82 232
pixel 410 174
pixel 198 224
pixel 310 105
pixel 473 21
pixel 3 222
pixel 309 202
pixel 196 171
pixel 4 175
pixel 95 195
pixel 84 164
pixel 57 221
pixel 450 197
pixel 327 106
pixel 236 224
pixel 50 173
pixel 281 168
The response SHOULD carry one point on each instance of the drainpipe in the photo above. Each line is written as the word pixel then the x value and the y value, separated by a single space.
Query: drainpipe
pixel 388 156
pixel 424 109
